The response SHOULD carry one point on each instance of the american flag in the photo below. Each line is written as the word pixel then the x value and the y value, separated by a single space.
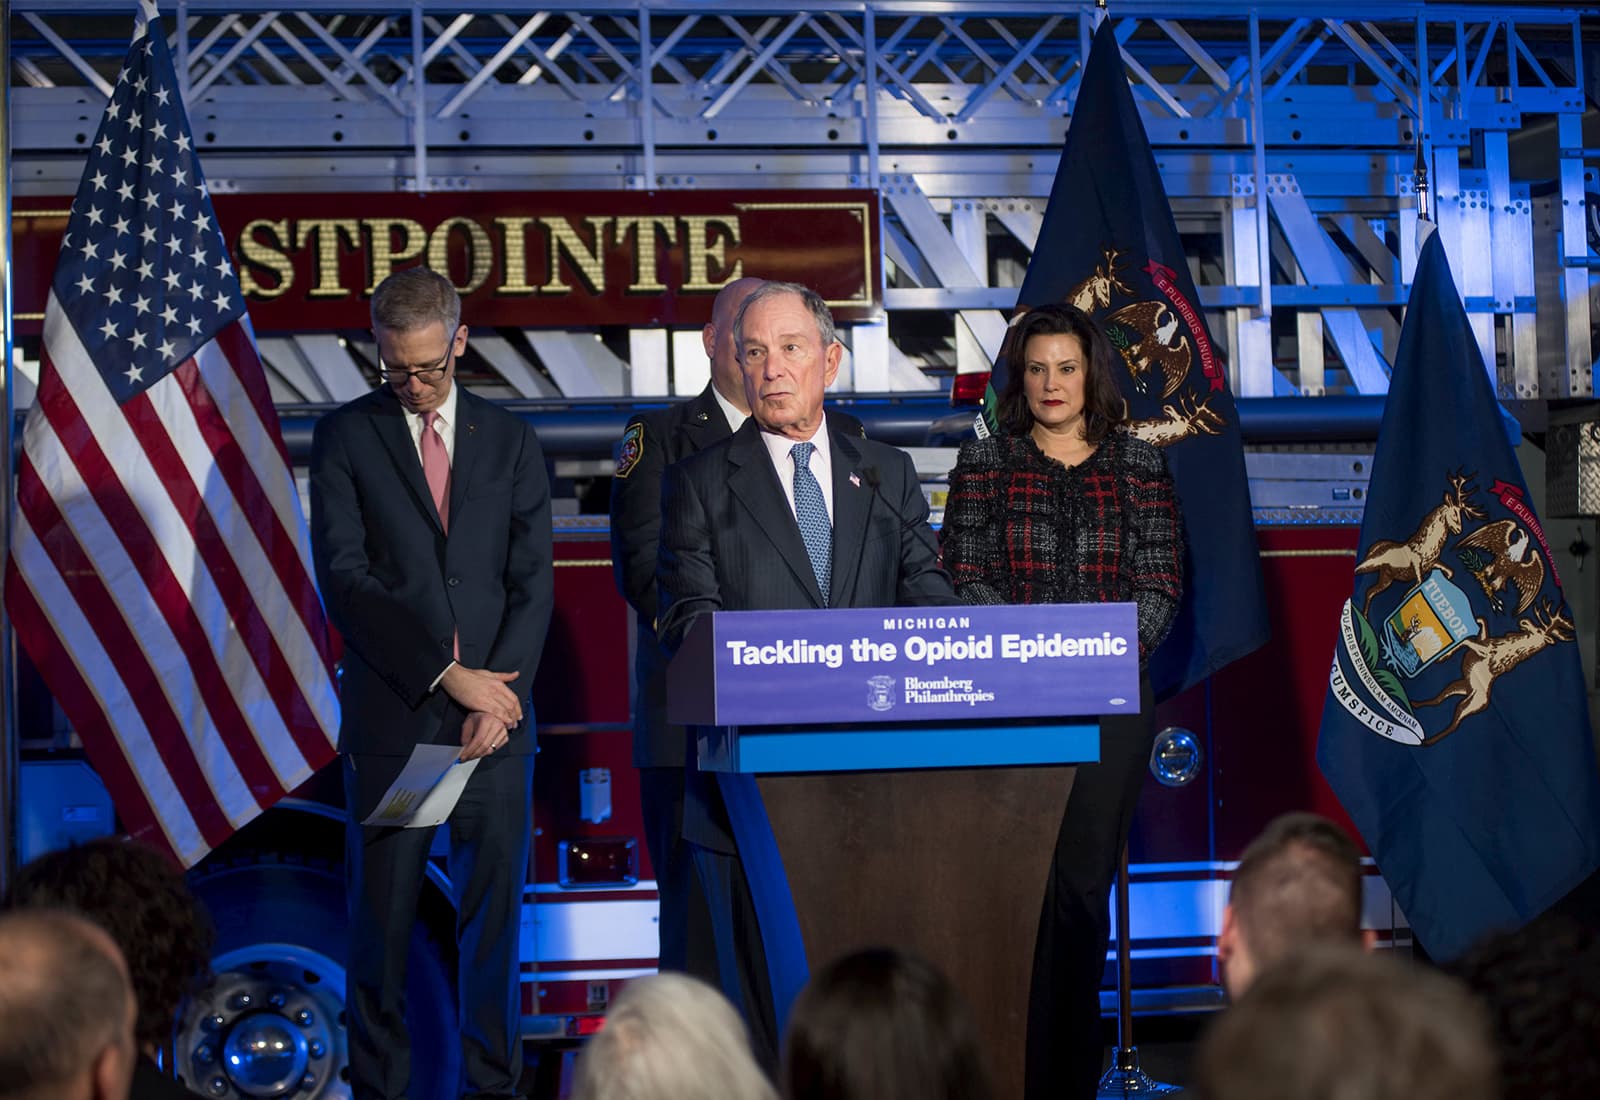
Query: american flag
pixel 158 574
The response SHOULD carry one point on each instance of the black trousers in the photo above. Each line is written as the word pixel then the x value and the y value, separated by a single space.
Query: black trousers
pixel 384 867
pixel 1064 1050
pixel 739 963
pixel 708 925
pixel 687 936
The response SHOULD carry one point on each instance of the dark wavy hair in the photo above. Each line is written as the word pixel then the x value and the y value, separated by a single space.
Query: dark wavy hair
pixel 1103 404
pixel 882 1024
pixel 1541 985
pixel 143 902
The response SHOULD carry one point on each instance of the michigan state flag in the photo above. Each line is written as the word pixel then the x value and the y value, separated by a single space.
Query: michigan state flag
pixel 1456 730
pixel 1109 245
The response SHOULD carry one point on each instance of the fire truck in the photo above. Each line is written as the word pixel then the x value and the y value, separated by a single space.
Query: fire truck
pixel 1232 753
pixel 894 156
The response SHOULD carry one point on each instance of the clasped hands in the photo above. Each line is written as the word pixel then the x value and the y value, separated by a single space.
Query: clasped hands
pixel 493 707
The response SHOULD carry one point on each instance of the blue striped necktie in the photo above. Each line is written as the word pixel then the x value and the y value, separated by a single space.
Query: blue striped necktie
pixel 812 514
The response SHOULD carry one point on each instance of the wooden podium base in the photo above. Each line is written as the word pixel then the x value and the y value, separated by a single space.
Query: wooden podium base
pixel 947 863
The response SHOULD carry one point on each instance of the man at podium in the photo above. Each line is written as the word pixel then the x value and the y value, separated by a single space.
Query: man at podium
pixel 789 513
pixel 651 442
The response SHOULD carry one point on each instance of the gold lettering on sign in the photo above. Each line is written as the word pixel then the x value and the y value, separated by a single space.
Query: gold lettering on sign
pixel 704 247
pixel 382 251
pixel 255 251
pixel 514 243
pixel 646 278
pixel 325 232
pixel 587 260
pixel 480 253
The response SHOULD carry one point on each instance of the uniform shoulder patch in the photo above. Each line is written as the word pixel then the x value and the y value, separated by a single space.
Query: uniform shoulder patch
pixel 631 449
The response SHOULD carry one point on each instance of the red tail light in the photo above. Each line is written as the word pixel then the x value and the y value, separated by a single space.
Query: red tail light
pixel 584 1026
pixel 967 389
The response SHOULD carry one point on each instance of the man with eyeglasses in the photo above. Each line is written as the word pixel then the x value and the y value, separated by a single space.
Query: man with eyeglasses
pixel 430 530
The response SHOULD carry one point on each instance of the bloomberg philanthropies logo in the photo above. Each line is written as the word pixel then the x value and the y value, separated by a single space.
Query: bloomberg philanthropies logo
pixel 945 689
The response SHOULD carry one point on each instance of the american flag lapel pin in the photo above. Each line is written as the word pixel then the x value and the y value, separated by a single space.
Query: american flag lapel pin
pixel 855 479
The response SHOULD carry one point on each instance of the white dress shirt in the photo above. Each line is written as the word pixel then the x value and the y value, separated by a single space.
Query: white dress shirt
pixel 735 418
pixel 444 425
pixel 821 464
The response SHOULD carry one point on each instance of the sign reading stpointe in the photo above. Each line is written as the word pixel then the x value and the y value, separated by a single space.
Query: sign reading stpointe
pixel 522 259
pixel 761 668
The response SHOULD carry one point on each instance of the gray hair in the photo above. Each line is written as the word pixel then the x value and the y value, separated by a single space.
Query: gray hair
pixel 414 298
pixel 63 1000
pixel 667 1037
pixel 812 300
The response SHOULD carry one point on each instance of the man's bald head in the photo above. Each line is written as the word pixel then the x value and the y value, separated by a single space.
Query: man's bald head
pixel 717 337
pixel 66 1009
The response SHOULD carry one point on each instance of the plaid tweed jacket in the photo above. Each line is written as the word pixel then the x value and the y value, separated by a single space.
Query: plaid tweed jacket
pixel 1022 528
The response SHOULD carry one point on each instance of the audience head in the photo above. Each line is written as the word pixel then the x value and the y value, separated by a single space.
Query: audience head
pixel 717 338
pixel 789 353
pixel 1338 1023
pixel 416 319
pixel 1103 404
pixel 882 1025
pixel 1541 987
pixel 66 1010
pixel 669 1037
pixel 1298 883
pixel 144 904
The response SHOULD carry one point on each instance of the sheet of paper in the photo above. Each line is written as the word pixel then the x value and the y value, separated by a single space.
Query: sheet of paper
pixel 425 791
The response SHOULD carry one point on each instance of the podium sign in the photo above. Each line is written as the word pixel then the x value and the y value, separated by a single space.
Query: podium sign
pixel 879 765
pixel 968 664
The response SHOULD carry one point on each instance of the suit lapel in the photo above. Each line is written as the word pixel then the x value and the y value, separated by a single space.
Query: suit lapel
pixel 703 423
pixel 753 481
pixel 389 419
pixel 467 445
pixel 851 505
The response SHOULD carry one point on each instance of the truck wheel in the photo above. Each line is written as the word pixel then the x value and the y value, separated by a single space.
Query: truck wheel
pixel 271 1022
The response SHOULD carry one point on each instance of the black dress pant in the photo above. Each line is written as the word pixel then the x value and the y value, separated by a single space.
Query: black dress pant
pixel 685 929
pixel 1064 1049
pixel 722 932
pixel 384 867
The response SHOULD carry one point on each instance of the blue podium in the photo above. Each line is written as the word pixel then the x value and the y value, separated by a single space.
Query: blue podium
pixel 897 776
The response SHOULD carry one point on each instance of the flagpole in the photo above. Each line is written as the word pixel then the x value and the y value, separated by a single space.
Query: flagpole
pixel 8 679
pixel 1125 1078
pixel 1419 178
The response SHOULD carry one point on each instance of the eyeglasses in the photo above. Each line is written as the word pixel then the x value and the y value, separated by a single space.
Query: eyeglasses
pixel 396 376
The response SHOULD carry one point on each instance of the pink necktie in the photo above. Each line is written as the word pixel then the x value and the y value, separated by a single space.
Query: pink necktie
pixel 436 467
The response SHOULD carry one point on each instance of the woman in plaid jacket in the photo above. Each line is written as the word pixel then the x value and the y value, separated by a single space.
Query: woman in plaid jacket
pixel 1065 506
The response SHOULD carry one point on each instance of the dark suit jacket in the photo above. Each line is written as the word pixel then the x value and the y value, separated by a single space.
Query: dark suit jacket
pixel 664 436
pixel 729 541
pixel 397 588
